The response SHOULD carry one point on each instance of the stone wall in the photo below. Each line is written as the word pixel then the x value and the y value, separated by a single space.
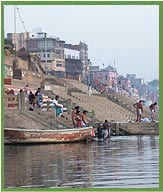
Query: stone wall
pixel 22 64
pixel 16 119
pixel 27 76
pixel 32 77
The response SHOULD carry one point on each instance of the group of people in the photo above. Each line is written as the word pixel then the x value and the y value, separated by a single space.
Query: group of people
pixel 35 99
pixel 139 111
pixel 79 119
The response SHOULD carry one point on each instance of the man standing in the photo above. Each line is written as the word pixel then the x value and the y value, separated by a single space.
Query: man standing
pixel 152 111
pixel 74 112
pixel 89 89
pixel 39 97
pixel 139 110
pixel 105 129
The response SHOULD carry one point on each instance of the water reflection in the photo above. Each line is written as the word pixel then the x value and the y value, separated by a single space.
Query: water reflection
pixel 122 162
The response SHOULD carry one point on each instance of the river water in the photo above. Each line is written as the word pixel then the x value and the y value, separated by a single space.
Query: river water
pixel 121 162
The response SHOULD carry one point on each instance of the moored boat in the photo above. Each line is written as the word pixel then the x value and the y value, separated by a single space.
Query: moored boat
pixel 23 135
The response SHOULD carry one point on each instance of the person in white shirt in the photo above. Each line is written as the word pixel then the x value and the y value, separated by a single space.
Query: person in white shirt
pixel 89 89
pixel 58 107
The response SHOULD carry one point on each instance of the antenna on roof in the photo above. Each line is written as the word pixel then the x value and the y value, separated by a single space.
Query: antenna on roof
pixel 21 19
pixel 15 30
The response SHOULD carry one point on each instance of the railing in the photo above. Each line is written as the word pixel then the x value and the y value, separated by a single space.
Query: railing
pixel 11 102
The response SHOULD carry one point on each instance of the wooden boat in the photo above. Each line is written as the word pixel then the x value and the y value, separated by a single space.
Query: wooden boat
pixel 23 135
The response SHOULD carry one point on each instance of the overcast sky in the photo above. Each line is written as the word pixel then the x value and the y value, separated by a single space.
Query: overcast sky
pixel 127 34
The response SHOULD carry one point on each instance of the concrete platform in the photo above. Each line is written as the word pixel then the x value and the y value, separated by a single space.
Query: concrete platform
pixel 137 128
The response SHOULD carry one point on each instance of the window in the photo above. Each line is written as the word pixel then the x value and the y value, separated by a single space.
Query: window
pixel 58 65
pixel 41 44
pixel 49 43
pixel 48 55
pixel 106 77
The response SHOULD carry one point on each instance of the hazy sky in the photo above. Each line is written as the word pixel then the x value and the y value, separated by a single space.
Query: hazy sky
pixel 127 34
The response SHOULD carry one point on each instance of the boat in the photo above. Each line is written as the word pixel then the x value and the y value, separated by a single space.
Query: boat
pixel 24 135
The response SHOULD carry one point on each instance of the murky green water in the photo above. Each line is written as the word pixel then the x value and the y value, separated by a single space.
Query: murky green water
pixel 123 162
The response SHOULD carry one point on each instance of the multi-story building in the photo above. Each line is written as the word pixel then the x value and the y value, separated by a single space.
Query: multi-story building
pixel 52 57
pixel 49 49
pixel 85 63
pixel 107 76
pixel 18 39
pixel 153 90
pixel 124 83
pixel 135 82
pixel 73 63
pixel 51 53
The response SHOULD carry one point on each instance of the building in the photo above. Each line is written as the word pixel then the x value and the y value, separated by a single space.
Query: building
pixel 153 90
pixel 73 64
pixel 107 76
pixel 124 83
pixel 51 53
pixel 18 39
pixel 82 50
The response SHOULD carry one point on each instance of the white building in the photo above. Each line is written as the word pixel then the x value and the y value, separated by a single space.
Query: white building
pixel 71 53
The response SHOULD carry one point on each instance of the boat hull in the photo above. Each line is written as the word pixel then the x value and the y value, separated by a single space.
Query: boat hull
pixel 19 135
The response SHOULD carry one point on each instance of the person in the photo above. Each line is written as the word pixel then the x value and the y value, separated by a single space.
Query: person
pixel 105 129
pixel 39 97
pixel 73 115
pixel 109 131
pixel 78 119
pixel 89 89
pixel 152 111
pixel 84 119
pixel 139 110
pixel 26 91
pixel 100 131
pixel 31 98
pixel 58 107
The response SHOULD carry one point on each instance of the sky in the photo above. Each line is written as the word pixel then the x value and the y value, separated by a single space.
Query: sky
pixel 125 36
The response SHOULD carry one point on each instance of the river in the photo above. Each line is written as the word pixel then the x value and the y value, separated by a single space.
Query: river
pixel 121 162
